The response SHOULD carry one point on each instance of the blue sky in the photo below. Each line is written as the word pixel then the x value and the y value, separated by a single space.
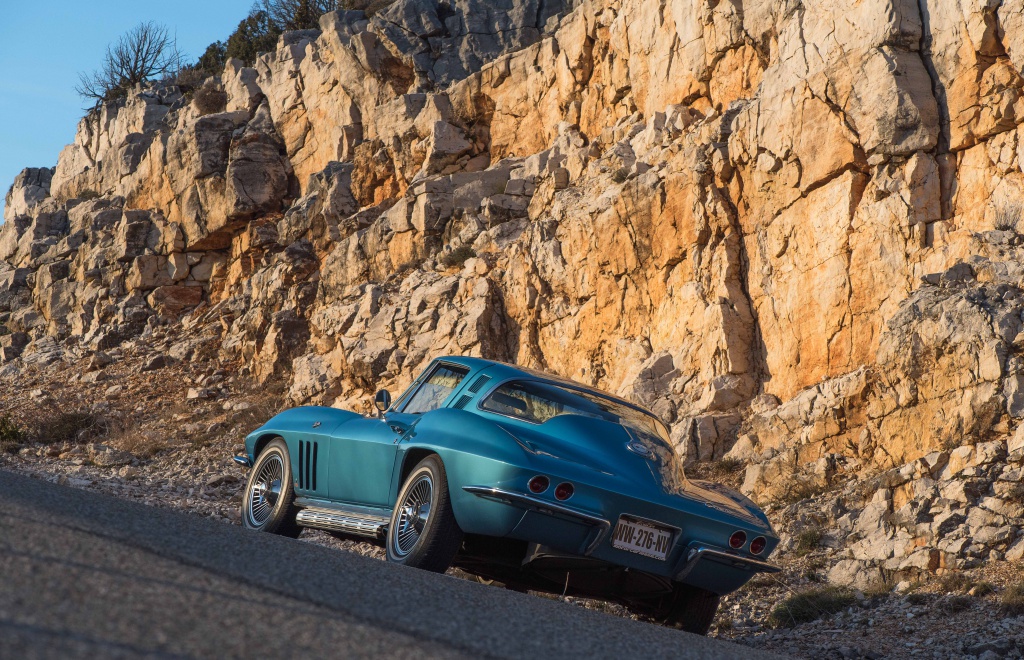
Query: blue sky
pixel 43 48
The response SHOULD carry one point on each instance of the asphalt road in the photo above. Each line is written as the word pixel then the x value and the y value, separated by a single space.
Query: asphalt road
pixel 89 575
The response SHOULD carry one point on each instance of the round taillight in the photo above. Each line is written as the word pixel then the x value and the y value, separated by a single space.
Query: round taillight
pixel 737 540
pixel 539 484
pixel 757 545
pixel 564 491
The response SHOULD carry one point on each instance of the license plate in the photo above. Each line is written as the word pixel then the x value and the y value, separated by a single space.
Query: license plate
pixel 642 537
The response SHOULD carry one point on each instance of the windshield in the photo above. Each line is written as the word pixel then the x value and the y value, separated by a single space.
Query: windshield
pixel 539 401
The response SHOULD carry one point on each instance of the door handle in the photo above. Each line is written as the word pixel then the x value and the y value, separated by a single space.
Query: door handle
pixel 398 428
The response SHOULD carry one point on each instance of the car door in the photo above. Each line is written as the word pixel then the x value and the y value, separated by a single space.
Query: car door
pixel 363 453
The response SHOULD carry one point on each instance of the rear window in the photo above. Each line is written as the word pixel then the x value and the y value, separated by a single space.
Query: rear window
pixel 539 401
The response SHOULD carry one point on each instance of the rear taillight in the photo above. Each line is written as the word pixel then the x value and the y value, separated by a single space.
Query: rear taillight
pixel 564 491
pixel 737 540
pixel 757 545
pixel 539 484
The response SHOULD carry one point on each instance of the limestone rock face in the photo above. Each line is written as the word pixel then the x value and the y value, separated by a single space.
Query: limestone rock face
pixel 791 230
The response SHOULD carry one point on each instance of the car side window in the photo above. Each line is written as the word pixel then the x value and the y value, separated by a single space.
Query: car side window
pixel 432 393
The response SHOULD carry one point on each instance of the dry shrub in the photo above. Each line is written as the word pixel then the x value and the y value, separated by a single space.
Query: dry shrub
pixel 1012 602
pixel 11 435
pixel 137 443
pixel 807 541
pixel 955 583
pixel 803 489
pixel 810 605
pixel 58 426
pixel 457 257
pixel 209 100
pixel 1008 214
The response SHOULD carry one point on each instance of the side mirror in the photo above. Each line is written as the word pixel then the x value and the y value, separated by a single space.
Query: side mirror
pixel 382 401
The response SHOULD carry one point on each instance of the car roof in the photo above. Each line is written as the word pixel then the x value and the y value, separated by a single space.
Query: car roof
pixel 505 371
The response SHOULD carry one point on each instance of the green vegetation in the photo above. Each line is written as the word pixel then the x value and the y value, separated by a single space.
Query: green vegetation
pixel 726 466
pixel 11 435
pixel 955 583
pixel 61 426
pixel 457 257
pixel 1012 602
pixel 1007 215
pixel 954 604
pixel 810 605
pixel 258 32
pixel 803 489
pixel 807 541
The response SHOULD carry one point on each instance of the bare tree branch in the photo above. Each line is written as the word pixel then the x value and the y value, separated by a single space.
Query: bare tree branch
pixel 146 52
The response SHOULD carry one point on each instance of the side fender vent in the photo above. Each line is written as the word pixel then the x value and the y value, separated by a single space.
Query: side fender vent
pixel 479 383
pixel 308 454
pixel 463 400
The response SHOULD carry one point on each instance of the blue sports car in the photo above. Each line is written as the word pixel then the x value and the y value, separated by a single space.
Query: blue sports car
pixel 514 476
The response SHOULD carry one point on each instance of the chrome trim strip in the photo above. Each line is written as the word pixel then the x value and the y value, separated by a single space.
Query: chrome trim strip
pixel 351 524
pixel 543 506
pixel 700 553
pixel 353 510
pixel 242 460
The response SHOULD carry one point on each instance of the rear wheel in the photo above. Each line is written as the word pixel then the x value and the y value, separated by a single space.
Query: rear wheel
pixel 268 505
pixel 688 608
pixel 423 532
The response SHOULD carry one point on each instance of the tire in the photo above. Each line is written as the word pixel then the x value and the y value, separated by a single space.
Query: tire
pixel 423 541
pixel 268 503
pixel 689 608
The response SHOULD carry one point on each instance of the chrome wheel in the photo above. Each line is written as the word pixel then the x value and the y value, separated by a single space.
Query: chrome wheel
pixel 412 516
pixel 265 490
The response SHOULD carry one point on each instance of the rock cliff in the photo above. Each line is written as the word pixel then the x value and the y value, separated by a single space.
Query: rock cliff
pixel 794 230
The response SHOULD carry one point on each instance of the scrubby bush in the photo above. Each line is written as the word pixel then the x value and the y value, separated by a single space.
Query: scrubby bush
pixel 11 435
pixel 811 605
pixel 208 99
pixel 1012 602
pixel 807 541
pixel 954 604
pixel 59 426
pixel 189 78
pixel 146 52
pixel 457 257
pixel 1008 214
pixel 955 583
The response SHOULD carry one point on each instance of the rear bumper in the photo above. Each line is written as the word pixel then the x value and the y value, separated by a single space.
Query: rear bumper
pixel 583 533
pixel 531 503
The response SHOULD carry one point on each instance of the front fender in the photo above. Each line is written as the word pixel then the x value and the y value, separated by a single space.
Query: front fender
pixel 295 422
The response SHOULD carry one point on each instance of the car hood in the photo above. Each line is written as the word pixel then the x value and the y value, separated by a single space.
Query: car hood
pixel 605 447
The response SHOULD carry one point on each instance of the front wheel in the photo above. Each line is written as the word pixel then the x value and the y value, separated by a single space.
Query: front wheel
pixel 688 608
pixel 423 532
pixel 268 502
